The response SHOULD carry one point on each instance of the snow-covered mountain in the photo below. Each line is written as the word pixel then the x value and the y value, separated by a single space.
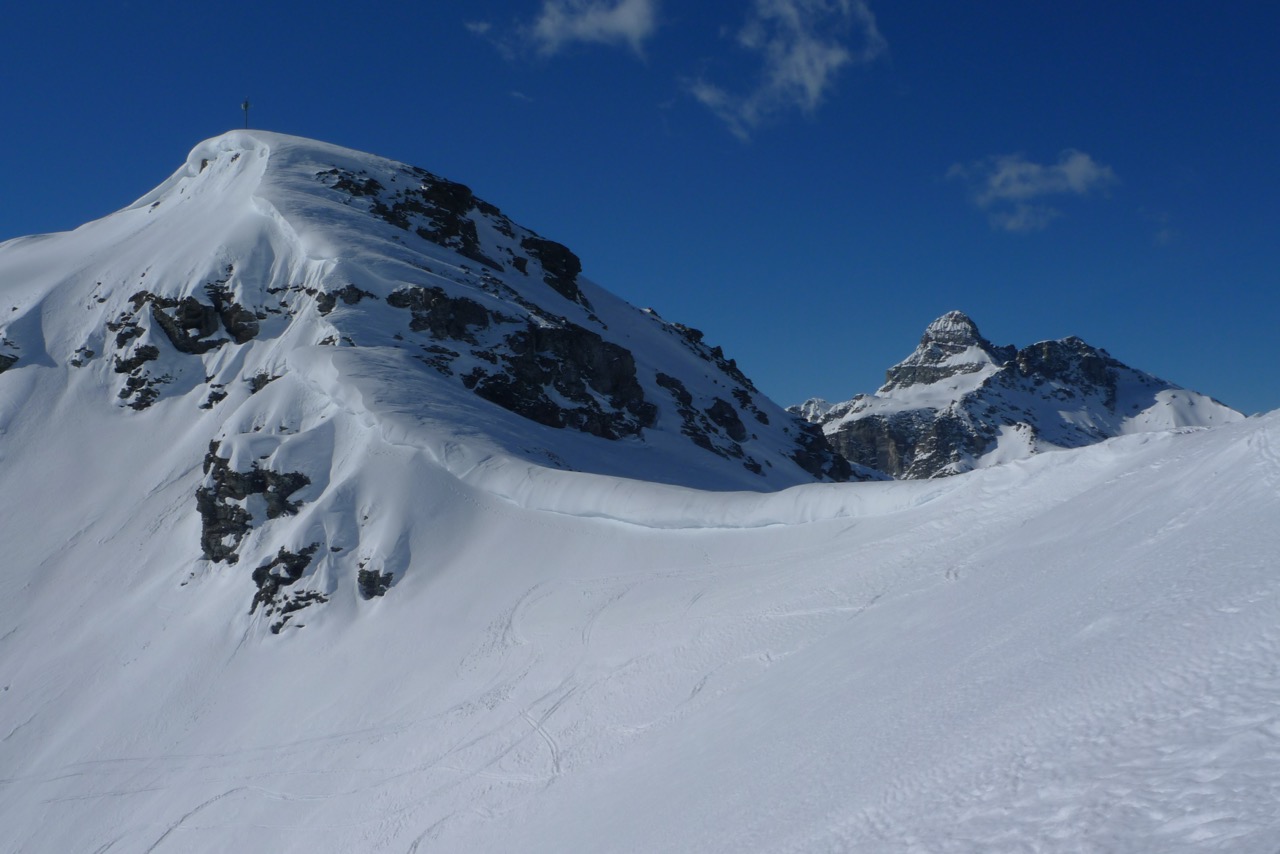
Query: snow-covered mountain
pixel 292 559
pixel 958 402
pixel 276 292
pixel 267 256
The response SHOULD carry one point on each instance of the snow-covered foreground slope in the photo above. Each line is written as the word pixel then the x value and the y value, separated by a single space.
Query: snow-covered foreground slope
pixel 1079 652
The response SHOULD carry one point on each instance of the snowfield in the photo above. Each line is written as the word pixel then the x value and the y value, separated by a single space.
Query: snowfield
pixel 1075 652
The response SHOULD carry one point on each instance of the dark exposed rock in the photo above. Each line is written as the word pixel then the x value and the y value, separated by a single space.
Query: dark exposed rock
pixel 126 330
pixel 351 184
pixel 241 323
pixel 560 267
pixel 816 456
pixel 79 360
pixel 351 295
pixel 874 443
pixel 187 322
pixel 372 583
pixel 677 389
pixel 193 321
pixel 223 520
pixel 722 413
pixel 261 380
pixel 140 390
pixel 912 444
pixel 292 603
pixel 436 210
pixel 7 362
pixel 325 302
pixel 140 387
pixel 283 570
pixel 702 428
pixel 744 400
pixel 140 355
pixel 581 367
pixel 439 358
pixel 1073 363
pixel 443 316
pixel 217 394
pixel 575 362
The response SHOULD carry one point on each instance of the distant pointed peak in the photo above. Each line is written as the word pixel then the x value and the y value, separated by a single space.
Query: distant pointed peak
pixel 950 345
pixel 954 327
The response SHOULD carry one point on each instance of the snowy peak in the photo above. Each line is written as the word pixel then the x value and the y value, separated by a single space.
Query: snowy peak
pixel 267 255
pixel 950 345
pixel 316 333
pixel 954 328
pixel 958 403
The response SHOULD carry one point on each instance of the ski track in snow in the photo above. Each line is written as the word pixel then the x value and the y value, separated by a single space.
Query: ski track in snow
pixel 578 672
pixel 1196 772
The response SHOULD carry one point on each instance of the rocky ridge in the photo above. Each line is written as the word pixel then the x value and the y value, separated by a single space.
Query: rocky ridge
pixel 959 402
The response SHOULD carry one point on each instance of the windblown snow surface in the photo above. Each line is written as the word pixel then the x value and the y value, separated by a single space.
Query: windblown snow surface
pixel 1075 652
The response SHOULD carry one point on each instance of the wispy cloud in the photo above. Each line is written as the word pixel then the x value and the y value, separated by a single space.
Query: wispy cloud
pixel 803 44
pixel 621 23
pixel 1013 189
pixel 1162 221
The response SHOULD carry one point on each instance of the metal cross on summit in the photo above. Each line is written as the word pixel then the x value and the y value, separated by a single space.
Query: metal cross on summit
pixel 245 106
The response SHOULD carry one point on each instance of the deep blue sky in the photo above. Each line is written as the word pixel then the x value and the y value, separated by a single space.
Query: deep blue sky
pixel 809 181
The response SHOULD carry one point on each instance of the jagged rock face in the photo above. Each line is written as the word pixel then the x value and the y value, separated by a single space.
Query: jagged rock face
pixel 815 456
pixel 1073 365
pixel 221 502
pixel 577 365
pixel 274 580
pixel 1000 403
pixel 528 355
pixel 950 345
pixel 560 267
pixel 372 583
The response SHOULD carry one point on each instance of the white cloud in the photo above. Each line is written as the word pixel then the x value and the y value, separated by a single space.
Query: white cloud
pixel 803 44
pixel 480 28
pixel 609 22
pixel 1025 217
pixel 1012 188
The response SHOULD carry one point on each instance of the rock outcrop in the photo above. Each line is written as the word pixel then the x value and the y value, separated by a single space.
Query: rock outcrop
pixel 959 402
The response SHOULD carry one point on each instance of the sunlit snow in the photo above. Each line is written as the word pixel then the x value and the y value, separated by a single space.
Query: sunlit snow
pixel 1079 651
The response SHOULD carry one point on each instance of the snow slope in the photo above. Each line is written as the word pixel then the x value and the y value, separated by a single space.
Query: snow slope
pixel 1074 652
